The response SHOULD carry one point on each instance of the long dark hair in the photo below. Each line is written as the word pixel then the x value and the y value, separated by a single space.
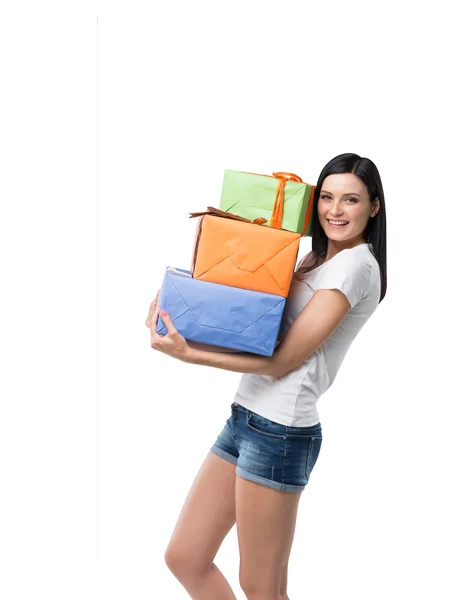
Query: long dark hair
pixel 375 231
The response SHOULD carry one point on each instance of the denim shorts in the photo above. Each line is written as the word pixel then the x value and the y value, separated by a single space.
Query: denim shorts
pixel 269 453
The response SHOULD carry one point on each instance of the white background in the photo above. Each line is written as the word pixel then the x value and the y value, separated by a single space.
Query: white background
pixel 110 135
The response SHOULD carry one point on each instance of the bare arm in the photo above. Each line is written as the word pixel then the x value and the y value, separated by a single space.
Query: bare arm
pixel 241 362
pixel 315 323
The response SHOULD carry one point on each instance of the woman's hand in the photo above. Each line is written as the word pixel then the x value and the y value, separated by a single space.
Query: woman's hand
pixel 173 343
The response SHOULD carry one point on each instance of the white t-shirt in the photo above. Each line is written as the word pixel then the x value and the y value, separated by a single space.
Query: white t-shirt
pixel 291 399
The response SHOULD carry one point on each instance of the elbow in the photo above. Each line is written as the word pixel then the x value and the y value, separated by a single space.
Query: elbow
pixel 282 372
pixel 277 370
pixel 281 365
pixel 277 367
pixel 282 369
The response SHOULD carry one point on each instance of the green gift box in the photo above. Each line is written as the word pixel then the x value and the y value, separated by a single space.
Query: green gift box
pixel 283 199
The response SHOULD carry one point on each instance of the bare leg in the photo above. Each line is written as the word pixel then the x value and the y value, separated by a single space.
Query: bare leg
pixel 266 521
pixel 207 516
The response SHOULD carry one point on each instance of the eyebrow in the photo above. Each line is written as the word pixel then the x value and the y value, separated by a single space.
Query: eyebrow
pixel 346 194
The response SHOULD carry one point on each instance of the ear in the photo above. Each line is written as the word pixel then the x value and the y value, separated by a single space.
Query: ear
pixel 375 207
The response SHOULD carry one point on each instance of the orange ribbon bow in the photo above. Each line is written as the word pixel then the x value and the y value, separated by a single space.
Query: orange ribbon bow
pixel 278 209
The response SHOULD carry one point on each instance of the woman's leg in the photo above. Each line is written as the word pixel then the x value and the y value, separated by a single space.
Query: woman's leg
pixel 265 520
pixel 206 517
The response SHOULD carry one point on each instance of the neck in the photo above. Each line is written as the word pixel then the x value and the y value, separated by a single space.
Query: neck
pixel 333 247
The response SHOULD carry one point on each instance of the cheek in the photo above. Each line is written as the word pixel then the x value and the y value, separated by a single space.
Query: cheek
pixel 363 215
pixel 321 208
pixel 358 213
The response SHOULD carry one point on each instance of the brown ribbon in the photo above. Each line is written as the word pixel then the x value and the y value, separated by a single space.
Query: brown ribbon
pixel 216 212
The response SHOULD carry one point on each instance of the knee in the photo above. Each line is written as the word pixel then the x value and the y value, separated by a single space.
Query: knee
pixel 176 560
pixel 182 563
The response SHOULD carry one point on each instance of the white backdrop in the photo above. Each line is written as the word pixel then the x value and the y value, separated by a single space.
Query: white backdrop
pixel 111 134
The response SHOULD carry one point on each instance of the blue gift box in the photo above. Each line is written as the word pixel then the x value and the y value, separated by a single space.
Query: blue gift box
pixel 220 315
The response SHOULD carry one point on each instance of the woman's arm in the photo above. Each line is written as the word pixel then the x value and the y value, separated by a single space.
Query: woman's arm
pixel 315 323
pixel 241 362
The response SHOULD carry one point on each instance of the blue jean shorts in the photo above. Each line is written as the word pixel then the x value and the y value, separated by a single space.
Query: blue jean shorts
pixel 269 453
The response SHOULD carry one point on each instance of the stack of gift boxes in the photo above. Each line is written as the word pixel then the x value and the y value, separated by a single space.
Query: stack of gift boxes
pixel 243 260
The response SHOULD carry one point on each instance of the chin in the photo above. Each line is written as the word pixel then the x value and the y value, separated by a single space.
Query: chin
pixel 336 234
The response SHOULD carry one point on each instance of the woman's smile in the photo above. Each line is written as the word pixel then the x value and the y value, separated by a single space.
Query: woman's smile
pixel 337 224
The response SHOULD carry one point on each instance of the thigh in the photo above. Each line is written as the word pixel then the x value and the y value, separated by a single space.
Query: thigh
pixel 265 521
pixel 207 515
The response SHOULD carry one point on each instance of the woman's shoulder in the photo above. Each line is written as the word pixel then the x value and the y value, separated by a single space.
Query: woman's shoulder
pixel 360 267
pixel 359 257
pixel 358 264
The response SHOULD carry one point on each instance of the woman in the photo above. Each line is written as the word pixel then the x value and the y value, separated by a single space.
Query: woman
pixel 262 460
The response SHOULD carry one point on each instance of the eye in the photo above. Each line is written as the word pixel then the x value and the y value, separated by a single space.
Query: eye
pixel 325 196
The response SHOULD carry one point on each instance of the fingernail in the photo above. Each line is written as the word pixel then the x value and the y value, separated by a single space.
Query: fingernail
pixel 163 313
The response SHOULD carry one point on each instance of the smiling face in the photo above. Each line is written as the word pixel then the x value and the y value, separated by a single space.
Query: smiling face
pixel 344 208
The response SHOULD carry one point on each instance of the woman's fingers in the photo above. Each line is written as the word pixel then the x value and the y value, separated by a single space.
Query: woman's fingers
pixel 152 307
pixel 155 337
pixel 173 343
pixel 172 340
pixel 168 322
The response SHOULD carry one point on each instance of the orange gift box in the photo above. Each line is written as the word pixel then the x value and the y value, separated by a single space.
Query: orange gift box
pixel 234 251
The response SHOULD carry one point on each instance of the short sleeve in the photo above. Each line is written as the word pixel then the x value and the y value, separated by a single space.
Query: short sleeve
pixel 348 273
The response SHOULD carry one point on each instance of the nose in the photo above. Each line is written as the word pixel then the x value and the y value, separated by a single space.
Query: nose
pixel 336 209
